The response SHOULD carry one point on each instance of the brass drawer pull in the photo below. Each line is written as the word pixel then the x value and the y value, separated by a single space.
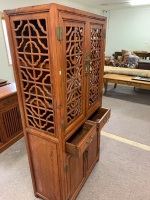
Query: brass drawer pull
pixel 87 63
pixel 89 141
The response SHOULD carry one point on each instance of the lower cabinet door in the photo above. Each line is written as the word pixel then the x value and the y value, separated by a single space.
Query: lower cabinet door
pixel 75 175
pixel 92 153
pixel 79 168
pixel 82 154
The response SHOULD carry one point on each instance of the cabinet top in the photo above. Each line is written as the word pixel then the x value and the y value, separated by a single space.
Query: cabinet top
pixel 47 7
pixel 7 90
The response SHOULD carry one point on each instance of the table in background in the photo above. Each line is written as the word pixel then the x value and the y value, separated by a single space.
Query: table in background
pixel 125 80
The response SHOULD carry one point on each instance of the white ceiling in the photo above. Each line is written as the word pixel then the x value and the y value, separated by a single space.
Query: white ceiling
pixel 105 4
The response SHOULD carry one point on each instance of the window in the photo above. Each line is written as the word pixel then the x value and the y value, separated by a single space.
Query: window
pixel 6 39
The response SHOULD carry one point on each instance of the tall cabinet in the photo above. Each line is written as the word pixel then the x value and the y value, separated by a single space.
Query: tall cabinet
pixel 58 61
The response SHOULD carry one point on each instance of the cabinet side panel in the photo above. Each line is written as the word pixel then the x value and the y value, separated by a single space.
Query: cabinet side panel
pixel 45 167
pixel 30 39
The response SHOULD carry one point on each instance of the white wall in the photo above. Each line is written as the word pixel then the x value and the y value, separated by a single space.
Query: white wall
pixel 128 29
pixel 6 71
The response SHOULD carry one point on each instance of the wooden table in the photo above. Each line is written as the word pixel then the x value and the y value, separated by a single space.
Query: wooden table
pixel 125 80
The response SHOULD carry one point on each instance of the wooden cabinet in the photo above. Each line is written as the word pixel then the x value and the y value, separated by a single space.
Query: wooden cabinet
pixel 58 62
pixel 10 119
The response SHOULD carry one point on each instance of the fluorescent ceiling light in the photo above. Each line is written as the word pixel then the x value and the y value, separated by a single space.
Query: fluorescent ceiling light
pixel 139 2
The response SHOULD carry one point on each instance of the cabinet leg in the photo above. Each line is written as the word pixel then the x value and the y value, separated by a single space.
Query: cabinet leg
pixel 115 85
pixel 105 86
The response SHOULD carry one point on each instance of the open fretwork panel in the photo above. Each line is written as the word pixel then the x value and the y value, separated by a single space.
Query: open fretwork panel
pixel 58 62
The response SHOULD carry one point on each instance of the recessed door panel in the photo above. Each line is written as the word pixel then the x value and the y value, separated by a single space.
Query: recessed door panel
pixel 30 37
pixel 76 174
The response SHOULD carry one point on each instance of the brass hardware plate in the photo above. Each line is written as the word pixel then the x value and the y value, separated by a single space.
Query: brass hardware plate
pixel 64 126
pixel 66 168
pixel 87 63
pixel 59 33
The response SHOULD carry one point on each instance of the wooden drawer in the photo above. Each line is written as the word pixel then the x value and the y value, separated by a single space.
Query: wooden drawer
pixel 8 101
pixel 100 117
pixel 81 139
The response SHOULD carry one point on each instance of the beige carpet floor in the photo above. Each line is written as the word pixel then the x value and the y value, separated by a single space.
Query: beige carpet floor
pixel 123 172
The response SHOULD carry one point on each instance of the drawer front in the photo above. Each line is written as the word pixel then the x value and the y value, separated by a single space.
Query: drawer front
pixel 8 101
pixel 81 140
pixel 100 117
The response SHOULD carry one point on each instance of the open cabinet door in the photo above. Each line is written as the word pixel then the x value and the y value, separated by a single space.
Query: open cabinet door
pixel 95 62
pixel 73 80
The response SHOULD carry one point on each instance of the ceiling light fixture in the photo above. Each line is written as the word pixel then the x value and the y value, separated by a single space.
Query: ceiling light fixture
pixel 139 2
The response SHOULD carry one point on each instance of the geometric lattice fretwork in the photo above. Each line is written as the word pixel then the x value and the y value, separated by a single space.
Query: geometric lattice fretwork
pixel 74 71
pixel 94 65
pixel 34 67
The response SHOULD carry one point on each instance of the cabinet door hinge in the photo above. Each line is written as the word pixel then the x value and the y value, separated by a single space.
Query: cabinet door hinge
pixel 66 168
pixel 59 33
pixel 101 93
pixel 87 63
pixel 104 34
pixel 98 150
pixel 64 126
pixel 19 115
pixel 86 155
